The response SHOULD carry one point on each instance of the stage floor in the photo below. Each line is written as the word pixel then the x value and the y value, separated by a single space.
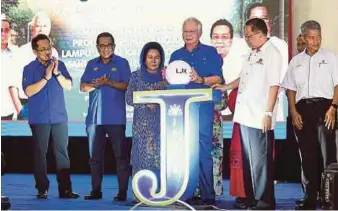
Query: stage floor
pixel 20 189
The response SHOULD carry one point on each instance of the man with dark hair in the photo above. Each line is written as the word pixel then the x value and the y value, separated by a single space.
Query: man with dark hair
pixel 106 80
pixel 300 44
pixel 259 10
pixel 312 88
pixel 256 111
pixel 43 82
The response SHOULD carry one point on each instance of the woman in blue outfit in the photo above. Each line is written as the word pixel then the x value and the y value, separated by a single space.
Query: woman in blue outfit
pixel 145 152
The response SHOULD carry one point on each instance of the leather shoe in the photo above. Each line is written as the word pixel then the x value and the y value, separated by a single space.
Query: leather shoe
pixel 42 194
pixel 68 195
pixel 5 203
pixel 93 196
pixel 301 201
pixel 244 203
pixel 121 196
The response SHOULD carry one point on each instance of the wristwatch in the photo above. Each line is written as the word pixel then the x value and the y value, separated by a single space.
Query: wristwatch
pixel 268 114
pixel 335 106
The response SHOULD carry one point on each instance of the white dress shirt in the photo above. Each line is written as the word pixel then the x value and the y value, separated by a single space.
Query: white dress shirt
pixel 282 46
pixel 10 76
pixel 261 70
pixel 312 76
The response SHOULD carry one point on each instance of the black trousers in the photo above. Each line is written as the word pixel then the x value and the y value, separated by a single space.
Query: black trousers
pixel 97 141
pixel 41 134
pixel 316 144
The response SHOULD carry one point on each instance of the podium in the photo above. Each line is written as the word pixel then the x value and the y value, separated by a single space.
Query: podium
pixel 179 141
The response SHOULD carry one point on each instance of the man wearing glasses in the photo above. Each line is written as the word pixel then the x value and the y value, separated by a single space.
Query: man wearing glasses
pixel 206 66
pixel 261 11
pixel 106 80
pixel 256 110
pixel 40 24
pixel 44 80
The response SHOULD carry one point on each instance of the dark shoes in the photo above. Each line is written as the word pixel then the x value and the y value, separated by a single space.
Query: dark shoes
pixel 304 204
pixel 244 203
pixel 93 196
pixel 5 203
pixel 121 196
pixel 42 194
pixel 68 195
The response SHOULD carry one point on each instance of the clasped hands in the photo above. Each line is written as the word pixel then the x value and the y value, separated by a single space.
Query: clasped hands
pixel 102 81
pixel 52 69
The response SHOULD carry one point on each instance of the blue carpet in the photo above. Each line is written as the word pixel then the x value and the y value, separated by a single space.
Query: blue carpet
pixel 20 189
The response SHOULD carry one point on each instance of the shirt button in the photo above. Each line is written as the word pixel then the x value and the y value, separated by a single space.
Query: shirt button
pixel 192 54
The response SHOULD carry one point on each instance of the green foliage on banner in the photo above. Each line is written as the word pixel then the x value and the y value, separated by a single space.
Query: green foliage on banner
pixel 17 11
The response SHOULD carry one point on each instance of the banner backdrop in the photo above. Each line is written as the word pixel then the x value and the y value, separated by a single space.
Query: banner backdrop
pixel 74 24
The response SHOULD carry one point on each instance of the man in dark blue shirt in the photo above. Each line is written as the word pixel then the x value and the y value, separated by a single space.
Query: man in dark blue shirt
pixel 43 82
pixel 206 71
pixel 106 79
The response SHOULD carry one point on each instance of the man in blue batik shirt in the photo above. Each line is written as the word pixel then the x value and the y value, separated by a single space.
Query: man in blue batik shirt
pixel 106 79
pixel 43 82
pixel 206 66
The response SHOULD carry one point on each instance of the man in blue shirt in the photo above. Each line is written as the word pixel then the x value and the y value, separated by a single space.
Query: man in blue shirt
pixel 106 79
pixel 206 71
pixel 43 82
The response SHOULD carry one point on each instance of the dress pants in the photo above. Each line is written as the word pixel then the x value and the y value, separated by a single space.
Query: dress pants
pixel 97 140
pixel 257 151
pixel 41 134
pixel 206 178
pixel 316 143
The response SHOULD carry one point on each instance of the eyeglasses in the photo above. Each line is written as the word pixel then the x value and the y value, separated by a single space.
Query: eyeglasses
pixel 44 50
pixel 6 30
pixel 249 37
pixel 221 38
pixel 108 46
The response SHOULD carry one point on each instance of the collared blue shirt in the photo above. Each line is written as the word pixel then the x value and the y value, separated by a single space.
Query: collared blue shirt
pixel 107 105
pixel 48 105
pixel 204 59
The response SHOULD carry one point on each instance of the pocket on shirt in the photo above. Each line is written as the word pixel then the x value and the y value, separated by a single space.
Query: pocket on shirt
pixel 301 76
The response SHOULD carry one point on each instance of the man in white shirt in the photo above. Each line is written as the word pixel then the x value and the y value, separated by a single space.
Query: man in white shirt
pixel 259 10
pixel 311 83
pixel 10 77
pixel 256 111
